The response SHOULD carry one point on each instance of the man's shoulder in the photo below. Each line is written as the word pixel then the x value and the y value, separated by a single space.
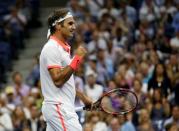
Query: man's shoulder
pixel 50 43
pixel 49 46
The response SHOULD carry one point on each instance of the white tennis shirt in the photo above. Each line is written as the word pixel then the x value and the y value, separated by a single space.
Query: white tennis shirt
pixel 56 55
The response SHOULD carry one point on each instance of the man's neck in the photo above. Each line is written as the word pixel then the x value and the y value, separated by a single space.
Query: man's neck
pixel 91 86
pixel 59 37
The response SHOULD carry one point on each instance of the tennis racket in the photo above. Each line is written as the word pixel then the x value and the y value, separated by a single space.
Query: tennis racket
pixel 116 102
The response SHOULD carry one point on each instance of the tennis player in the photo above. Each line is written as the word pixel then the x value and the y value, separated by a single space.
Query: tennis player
pixel 56 72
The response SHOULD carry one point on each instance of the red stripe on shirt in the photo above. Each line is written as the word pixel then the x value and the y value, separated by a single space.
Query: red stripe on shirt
pixel 61 118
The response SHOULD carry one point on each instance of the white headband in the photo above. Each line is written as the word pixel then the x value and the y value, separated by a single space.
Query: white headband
pixel 63 18
pixel 59 20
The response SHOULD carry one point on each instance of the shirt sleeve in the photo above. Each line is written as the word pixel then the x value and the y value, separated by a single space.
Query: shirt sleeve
pixel 53 58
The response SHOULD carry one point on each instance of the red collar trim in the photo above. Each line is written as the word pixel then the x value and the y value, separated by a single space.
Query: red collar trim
pixel 65 45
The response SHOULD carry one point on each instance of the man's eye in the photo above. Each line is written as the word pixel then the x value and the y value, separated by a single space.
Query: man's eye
pixel 70 23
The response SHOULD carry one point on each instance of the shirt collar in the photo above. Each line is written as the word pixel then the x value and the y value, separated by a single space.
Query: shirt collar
pixel 65 45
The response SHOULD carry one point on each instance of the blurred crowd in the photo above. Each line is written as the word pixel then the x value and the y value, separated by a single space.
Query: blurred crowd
pixel 131 44
pixel 19 103
pixel 17 19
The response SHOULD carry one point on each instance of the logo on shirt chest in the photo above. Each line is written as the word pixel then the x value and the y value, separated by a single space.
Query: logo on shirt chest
pixel 65 59
pixel 64 63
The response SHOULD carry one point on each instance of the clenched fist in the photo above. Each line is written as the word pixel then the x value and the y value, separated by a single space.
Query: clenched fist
pixel 81 51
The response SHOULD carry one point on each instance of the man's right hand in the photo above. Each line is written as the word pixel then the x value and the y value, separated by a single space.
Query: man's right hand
pixel 81 51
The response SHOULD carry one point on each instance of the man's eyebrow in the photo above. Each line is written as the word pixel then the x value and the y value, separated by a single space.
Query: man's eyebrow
pixel 71 22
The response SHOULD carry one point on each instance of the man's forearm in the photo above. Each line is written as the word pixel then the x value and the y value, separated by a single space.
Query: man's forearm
pixel 62 75
pixel 86 100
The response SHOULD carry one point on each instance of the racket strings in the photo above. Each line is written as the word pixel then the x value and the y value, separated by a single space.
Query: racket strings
pixel 119 102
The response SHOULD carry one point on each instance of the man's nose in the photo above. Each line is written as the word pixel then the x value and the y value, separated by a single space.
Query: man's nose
pixel 73 26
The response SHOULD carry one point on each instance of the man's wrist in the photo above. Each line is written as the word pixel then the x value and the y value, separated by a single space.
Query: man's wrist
pixel 76 62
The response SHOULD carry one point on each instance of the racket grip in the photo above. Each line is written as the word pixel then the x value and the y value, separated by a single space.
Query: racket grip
pixel 77 109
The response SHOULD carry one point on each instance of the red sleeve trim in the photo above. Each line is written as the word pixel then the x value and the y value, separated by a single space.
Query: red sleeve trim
pixel 54 66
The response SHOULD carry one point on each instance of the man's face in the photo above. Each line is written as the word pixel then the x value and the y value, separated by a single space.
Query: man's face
pixel 68 27
pixel 18 79
pixel 91 80
pixel 34 112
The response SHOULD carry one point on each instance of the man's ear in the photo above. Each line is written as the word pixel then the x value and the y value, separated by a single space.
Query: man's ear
pixel 58 26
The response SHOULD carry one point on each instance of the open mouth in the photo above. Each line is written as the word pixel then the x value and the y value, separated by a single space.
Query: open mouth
pixel 72 31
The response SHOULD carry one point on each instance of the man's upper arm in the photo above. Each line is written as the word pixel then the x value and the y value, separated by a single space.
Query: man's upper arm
pixel 60 76
pixel 54 73
pixel 53 58
pixel 53 61
pixel 58 72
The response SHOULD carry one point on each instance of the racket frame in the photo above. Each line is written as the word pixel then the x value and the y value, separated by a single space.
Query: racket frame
pixel 98 105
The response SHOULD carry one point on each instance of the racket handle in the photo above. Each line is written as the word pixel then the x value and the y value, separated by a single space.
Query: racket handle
pixel 81 108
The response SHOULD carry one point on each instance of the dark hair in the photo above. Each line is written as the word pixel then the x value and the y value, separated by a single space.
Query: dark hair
pixel 55 16
pixel 165 75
